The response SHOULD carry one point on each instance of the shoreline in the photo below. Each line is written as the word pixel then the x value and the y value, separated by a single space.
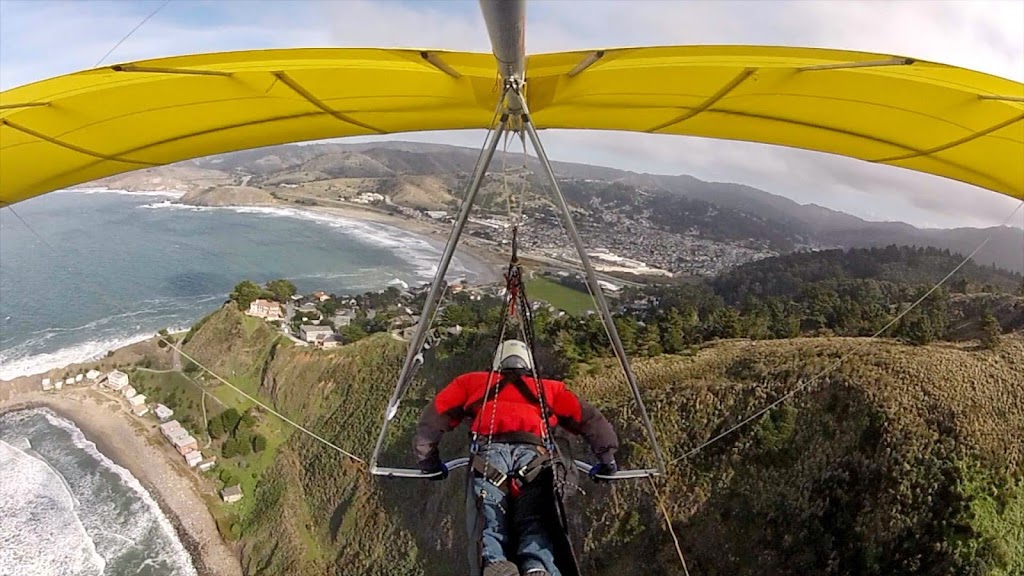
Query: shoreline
pixel 134 444
pixel 484 262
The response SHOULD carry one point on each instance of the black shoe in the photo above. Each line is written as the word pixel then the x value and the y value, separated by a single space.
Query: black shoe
pixel 501 568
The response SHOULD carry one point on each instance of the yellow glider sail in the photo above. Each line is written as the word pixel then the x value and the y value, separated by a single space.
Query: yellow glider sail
pixel 922 116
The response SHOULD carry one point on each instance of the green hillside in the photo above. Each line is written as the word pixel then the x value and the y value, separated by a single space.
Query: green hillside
pixel 905 460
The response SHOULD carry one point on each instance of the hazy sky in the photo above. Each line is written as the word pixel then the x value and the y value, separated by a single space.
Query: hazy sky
pixel 40 39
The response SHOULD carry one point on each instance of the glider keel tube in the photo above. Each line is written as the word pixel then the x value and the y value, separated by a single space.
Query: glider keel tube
pixel 414 357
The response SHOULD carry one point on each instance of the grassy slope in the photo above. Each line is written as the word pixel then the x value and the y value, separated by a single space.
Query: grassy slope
pixel 904 460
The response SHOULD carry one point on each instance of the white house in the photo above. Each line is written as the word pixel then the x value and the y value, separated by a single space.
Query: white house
pixel 69 381
pixel 140 410
pixel 58 384
pixel 168 428
pixel 163 412
pixel 129 391
pixel 266 309
pixel 231 493
pixel 185 444
pixel 47 385
pixel 329 341
pixel 137 400
pixel 117 380
pixel 93 375
pixel 311 333
pixel 208 464
pixel 193 458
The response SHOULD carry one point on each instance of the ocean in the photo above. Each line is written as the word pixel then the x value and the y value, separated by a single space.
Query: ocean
pixel 96 270
pixel 69 511
pixel 125 265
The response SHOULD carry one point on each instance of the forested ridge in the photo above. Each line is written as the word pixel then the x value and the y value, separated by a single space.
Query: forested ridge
pixel 907 458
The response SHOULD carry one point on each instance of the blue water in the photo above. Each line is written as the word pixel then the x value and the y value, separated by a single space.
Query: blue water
pixel 67 510
pixel 123 266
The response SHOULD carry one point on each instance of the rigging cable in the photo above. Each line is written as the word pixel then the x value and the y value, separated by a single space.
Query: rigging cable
pixel 130 32
pixel 174 347
pixel 668 523
pixel 844 357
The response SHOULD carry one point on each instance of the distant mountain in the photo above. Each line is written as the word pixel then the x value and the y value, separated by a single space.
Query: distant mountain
pixel 718 210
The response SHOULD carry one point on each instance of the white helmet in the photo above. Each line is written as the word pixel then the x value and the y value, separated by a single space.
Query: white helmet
pixel 512 355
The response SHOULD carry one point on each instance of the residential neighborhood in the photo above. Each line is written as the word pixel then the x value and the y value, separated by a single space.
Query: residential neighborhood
pixel 118 385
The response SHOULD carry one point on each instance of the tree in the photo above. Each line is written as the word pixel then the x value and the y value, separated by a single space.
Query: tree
pixel 216 427
pixel 673 336
pixel 245 293
pixel 259 443
pixel 650 341
pixel 230 448
pixel 229 420
pixel 281 290
pixel 990 330
pixel 352 332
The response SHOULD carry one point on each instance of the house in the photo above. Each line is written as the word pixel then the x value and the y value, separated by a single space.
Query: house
pixel 328 342
pixel 79 378
pixel 69 381
pixel 47 385
pixel 137 400
pixel 311 333
pixel 140 410
pixel 402 321
pixel 321 296
pixel 58 384
pixel 193 458
pixel 163 412
pixel 93 375
pixel 168 428
pixel 436 214
pixel 343 318
pixel 266 309
pixel 117 380
pixel 129 392
pixel 185 444
pixel 177 434
pixel 231 494
pixel 208 464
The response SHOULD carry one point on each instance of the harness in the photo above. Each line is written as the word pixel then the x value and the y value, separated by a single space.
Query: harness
pixel 511 484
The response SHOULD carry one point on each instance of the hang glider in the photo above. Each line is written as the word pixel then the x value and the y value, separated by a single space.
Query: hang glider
pixel 918 115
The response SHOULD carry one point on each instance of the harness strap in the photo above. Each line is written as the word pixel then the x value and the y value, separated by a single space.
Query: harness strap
pixel 510 484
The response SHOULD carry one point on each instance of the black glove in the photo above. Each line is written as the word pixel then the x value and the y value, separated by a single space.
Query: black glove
pixel 439 470
pixel 603 469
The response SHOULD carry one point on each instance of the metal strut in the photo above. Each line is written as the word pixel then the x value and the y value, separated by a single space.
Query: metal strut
pixel 415 353
pixel 595 288
pixel 516 102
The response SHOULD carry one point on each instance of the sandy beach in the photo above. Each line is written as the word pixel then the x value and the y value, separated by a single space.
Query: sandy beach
pixel 135 444
pixel 482 257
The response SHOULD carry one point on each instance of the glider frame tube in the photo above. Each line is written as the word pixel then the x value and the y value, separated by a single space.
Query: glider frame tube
pixel 414 354
pixel 452 465
pixel 595 287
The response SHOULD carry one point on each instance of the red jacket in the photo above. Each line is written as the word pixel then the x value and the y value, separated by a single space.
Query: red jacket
pixel 513 415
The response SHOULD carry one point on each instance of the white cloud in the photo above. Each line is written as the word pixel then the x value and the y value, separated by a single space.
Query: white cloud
pixel 39 39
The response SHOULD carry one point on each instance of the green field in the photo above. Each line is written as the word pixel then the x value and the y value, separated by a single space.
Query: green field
pixel 561 297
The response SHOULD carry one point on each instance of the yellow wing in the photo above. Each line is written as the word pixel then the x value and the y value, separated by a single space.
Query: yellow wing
pixel 923 116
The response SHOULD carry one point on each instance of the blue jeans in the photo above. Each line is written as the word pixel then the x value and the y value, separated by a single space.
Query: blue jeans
pixel 524 515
